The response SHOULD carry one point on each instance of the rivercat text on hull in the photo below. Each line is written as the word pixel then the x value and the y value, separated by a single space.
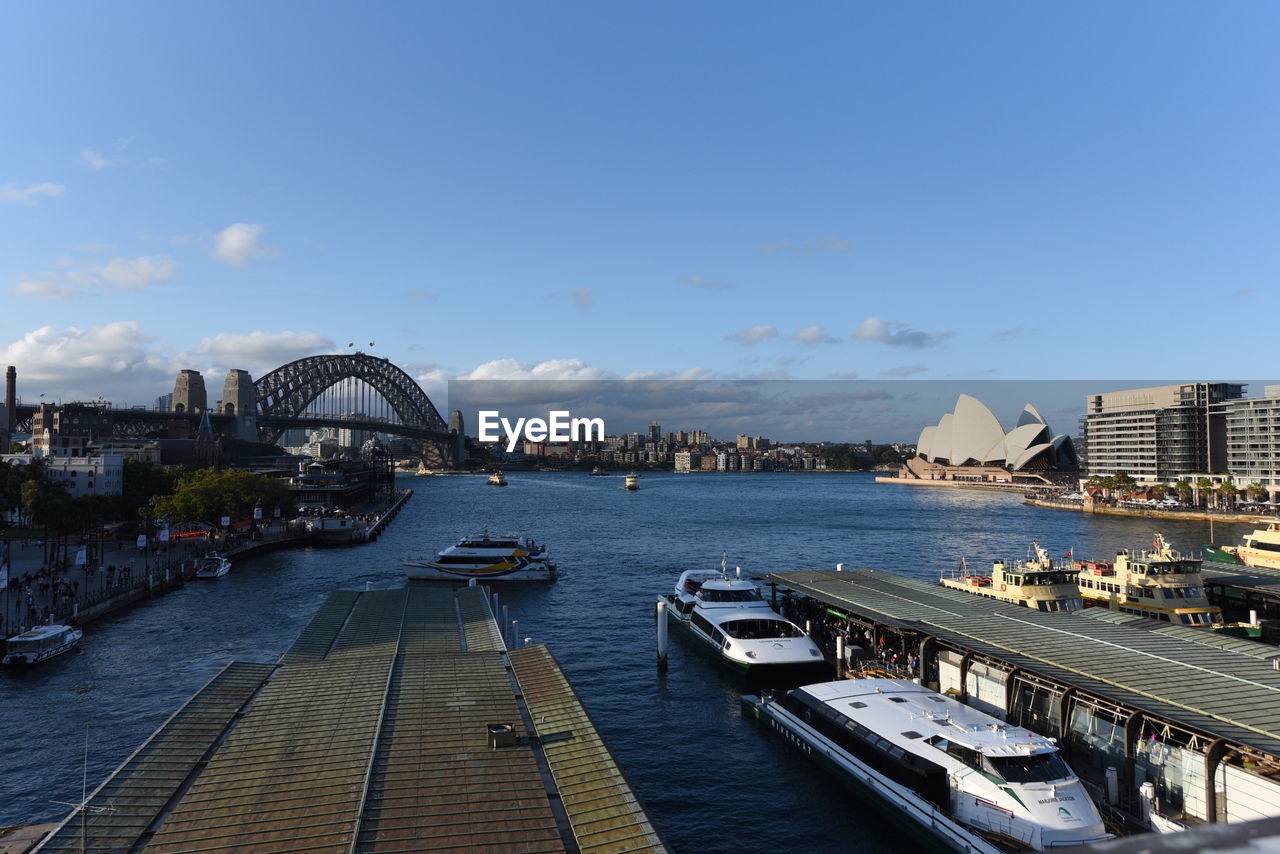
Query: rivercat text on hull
pixel 1036 583
pixel 485 557
pixel 729 618
pixel 1158 583
pixel 969 780
pixel 40 644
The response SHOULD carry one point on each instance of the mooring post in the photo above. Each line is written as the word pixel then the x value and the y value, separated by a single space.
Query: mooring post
pixel 506 627
pixel 839 656
pixel 515 632
pixel 495 605
pixel 662 634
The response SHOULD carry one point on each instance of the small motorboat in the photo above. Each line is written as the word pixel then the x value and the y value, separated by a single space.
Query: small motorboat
pixel 213 565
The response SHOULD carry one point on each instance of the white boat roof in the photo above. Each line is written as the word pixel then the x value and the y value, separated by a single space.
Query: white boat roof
pixel 720 616
pixel 891 706
pixel 41 632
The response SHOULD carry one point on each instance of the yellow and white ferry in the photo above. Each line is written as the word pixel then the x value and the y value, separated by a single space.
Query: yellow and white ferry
pixel 1038 582
pixel 1159 583
pixel 1261 548
pixel 485 557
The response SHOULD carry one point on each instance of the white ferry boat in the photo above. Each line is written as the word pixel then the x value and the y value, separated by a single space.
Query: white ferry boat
pixel 1038 582
pixel 632 482
pixel 213 565
pixel 961 776
pixel 1158 583
pixel 1261 548
pixel 41 643
pixel 729 618
pixel 497 479
pixel 485 557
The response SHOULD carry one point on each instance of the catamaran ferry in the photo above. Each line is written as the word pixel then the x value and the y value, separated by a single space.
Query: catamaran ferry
pixel 729 618
pixel 40 644
pixel 1158 583
pixel 953 772
pixel 1038 582
pixel 485 557
pixel 1261 548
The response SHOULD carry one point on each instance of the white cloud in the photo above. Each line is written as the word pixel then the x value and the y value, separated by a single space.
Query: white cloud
pixel 116 360
pixel 552 369
pixel 44 289
pixel 240 244
pixel 94 160
pixel 754 335
pixel 118 274
pixel 135 274
pixel 813 335
pixel 261 351
pixel 29 194
pixel 897 334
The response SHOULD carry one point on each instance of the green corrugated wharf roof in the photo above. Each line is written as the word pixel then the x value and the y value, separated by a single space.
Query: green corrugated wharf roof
pixel 1202 683
pixel 371 734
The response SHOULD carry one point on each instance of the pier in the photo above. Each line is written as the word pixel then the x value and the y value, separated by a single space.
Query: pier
pixel 397 721
pixel 1170 726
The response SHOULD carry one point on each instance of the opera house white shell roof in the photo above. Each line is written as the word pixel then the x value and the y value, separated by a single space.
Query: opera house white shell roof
pixel 972 435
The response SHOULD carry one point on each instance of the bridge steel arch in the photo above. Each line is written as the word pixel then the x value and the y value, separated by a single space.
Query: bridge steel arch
pixel 290 389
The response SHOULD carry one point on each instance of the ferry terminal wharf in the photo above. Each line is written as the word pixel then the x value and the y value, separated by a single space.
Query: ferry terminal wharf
pixel 1193 715
pixel 397 721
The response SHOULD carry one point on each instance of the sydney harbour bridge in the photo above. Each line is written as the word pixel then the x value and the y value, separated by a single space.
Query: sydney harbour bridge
pixel 353 391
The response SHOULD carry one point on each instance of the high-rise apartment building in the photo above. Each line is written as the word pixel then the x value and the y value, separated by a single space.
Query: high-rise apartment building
pixel 1157 434
pixel 1252 437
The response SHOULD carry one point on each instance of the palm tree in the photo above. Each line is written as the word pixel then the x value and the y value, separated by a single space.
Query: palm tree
pixel 1228 492
pixel 1204 488
pixel 1256 491
pixel 1183 488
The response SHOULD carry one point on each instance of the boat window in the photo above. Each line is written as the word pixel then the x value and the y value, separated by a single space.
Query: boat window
pixel 702 623
pixel 911 734
pixel 760 629
pixel 858 705
pixel 897 699
pixel 967 755
pixel 1036 768
pixel 717 636
pixel 747 595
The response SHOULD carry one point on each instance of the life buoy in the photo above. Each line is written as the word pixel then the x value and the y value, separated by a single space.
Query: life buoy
pixel 1002 587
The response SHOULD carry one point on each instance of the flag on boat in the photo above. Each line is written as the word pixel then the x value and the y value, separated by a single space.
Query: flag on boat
pixel 1069 553
pixel 963 565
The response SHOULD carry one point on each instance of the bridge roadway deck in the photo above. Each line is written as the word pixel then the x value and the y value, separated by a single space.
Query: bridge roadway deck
pixel 371 734
pixel 1191 678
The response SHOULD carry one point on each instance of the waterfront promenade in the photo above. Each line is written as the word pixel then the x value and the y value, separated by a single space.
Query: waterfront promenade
pixel 47 585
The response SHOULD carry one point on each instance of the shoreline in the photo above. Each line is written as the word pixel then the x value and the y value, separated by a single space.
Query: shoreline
pixel 1152 512
pixel 1017 489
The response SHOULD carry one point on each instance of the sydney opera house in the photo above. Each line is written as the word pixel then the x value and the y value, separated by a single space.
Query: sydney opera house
pixel 969 444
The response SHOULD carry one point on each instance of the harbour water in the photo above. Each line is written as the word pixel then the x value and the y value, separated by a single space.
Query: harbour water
pixel 710 780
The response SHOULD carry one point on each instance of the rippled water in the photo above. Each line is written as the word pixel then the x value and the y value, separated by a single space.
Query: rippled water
pixel 710 780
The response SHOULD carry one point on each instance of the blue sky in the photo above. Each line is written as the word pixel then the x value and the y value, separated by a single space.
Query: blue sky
pixel 587 190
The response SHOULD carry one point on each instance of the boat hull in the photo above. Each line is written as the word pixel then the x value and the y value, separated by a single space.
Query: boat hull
pixel 905 808
pixel 30 660
pixel 818 668
pixel 425 572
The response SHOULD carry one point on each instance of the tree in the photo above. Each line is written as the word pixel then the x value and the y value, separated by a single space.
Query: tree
pixel 206 495
pixel 1256 491
pixel 1184 489
pixel 1159 490
pixel 1228 493
pixel 1204 488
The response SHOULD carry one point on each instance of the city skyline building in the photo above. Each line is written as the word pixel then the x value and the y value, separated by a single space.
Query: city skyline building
pixel 1158 434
